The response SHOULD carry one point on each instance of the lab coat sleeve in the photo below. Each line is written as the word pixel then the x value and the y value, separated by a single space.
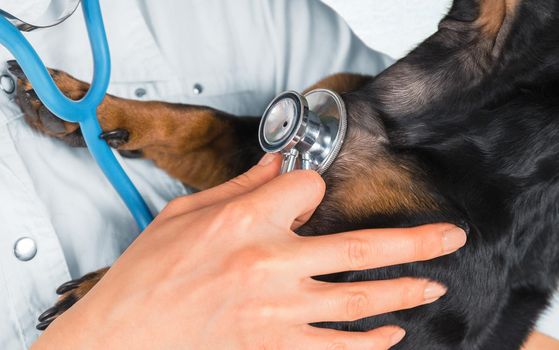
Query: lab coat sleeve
pixel 312 41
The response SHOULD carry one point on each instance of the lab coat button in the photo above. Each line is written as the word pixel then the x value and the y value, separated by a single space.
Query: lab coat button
pixel 197 89
pixel 7 83
pixel 25 249
pixel 140 92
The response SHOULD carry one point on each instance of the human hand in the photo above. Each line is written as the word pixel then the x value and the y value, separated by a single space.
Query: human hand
pixel 223 269
pixel 540 341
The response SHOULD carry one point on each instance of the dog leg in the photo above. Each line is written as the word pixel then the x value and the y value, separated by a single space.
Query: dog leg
pixel 200 146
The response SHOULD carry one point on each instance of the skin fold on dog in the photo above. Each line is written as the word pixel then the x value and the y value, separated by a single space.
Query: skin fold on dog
pixel 464 129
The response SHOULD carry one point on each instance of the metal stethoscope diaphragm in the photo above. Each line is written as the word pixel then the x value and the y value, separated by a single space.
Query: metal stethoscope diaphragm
pixel 308 130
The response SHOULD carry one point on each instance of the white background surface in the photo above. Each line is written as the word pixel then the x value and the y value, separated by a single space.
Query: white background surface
pixel 392 26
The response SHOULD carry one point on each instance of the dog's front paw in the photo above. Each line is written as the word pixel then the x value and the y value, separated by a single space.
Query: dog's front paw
pixel 38 116
pixel 70 293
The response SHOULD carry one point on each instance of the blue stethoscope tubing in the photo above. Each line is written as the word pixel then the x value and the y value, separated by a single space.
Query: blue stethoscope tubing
pixel 83 111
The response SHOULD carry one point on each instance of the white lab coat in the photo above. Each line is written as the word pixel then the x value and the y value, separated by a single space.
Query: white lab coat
pixel 232 55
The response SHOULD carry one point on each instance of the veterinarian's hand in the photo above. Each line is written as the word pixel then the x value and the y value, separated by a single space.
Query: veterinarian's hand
pixel 222 269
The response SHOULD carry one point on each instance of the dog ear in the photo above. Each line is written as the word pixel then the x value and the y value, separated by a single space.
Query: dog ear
pixel 454 60
pixel 369 178
pixel 489 16
pixel 494 21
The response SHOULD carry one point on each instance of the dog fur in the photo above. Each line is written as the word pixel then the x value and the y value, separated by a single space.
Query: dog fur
pixel 465 129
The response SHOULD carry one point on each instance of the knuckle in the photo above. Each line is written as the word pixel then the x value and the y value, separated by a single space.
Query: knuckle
pixel 358 253
pixel 241 182
pixel 240 213
pixel 252 265
pixel 356 306
pixel 256 312
pixel 175 204
pixel 423 248
pixel 254 258
pixel 266 311
pixel 411 292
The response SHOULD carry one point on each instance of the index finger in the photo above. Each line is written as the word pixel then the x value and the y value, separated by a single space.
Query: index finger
pixel 369 249
pixel 267 169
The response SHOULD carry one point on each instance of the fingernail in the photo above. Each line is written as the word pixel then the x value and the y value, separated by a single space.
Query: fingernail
pixel 453 239
pixel 397 337
pixel 433 291
pixel 267 159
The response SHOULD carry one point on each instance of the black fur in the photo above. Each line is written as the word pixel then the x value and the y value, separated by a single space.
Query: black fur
pixel 480 118
pixel 477 119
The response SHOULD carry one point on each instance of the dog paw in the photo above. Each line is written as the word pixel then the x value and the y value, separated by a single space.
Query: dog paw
pixel 38 116
pixel 70 292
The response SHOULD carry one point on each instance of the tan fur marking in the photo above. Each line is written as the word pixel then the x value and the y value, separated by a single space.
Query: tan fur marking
pixel 371 186
pixel 382 188
pixel 493 14
pixel 369 180
pixel 190 143
pixel 341 83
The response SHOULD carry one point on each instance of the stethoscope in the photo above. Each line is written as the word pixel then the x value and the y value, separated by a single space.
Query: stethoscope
pixel 308 129
pixel 84 111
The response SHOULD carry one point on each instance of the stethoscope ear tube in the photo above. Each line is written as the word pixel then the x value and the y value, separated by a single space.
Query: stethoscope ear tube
pixel 84 111
pixel 57 12
pixel 309 130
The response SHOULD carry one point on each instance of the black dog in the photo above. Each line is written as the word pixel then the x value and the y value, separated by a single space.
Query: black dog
pixel 472 116
pixel 464 129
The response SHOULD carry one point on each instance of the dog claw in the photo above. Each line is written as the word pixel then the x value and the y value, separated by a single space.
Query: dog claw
pixel 43 325
pixel 132 154
pixel 116 138
pixel 68 286
pixel 48 314
pixel 15 69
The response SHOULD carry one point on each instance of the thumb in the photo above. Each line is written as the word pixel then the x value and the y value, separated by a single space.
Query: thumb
pixel 289 200
pixel 267 169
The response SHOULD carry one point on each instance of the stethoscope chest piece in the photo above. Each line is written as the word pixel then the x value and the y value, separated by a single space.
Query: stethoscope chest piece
pixel 308 130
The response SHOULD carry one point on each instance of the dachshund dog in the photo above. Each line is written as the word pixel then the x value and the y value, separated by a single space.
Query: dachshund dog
pixel 464 129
